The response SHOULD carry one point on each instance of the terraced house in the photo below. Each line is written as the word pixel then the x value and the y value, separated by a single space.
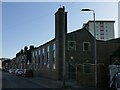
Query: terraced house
pixel 77 49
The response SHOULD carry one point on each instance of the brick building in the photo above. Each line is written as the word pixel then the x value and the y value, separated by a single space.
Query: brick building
pixel 115 55
pixel 80 65
pixel 22 59
pixel 5 63
pixel 47 60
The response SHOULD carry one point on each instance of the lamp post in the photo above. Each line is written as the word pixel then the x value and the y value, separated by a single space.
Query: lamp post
pixel 94 44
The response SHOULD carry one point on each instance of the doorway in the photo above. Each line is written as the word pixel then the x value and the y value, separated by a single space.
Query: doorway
pixel 71 72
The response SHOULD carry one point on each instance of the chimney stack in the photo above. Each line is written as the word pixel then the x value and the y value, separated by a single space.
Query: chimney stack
pixel 60 33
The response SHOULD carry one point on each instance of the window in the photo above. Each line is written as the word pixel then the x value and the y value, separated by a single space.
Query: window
pixel 54 51
pixel 42 57
pixel 39 56
pixel 54 56
pixel 71 45
pixel 33 54
pixel 101 27
pixel 96 26
pixel 86 46
pixel 48 56
pixel 102 34
pixel 36 53
pixel 105 22
pixel 102 37
pixel 39 52
pixel 101 30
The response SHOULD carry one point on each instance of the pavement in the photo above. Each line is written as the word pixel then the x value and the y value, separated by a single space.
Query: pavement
pixel 49 83
pixel 57 85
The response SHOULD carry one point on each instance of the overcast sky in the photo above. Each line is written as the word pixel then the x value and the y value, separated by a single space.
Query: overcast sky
pixel 29 23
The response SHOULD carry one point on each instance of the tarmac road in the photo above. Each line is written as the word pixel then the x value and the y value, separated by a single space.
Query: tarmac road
pixel 13 81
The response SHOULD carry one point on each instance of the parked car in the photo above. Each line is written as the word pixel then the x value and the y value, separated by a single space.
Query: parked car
pixel 27 73
pixel 19 72
pixel 116 82
pixel 13 71
pixel 10 70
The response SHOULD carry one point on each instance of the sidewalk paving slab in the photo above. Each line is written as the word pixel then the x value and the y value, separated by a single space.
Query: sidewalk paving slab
pixel 49 83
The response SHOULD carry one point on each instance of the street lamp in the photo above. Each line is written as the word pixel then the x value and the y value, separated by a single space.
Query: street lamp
pixel 94 44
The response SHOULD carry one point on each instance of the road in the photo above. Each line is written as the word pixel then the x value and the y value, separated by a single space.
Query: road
pixel 13 81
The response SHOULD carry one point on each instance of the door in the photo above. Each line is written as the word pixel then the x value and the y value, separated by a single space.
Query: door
pixel 71 72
